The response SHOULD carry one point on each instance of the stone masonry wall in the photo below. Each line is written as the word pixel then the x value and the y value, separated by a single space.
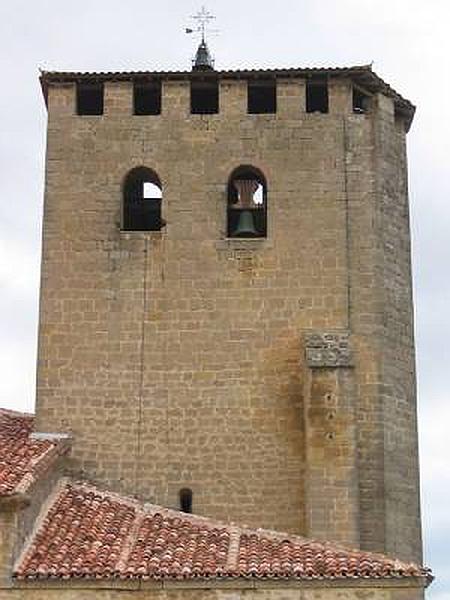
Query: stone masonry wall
pixel 366 312
pixel 402 501
pixel 175 357
pixel 381 321
pixel 8 526
pixel 366 592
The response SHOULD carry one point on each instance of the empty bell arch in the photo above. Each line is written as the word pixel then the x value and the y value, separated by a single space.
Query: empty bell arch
pixel 142 201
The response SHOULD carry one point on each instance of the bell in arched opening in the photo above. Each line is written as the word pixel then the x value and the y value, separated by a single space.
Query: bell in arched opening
pixel 247 203
pixel 245 225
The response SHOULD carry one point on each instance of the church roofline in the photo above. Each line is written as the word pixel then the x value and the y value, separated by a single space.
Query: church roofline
pixel 360 74
pixel 133 540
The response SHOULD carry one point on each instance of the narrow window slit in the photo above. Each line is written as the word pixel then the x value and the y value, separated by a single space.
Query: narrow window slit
pixel 186 500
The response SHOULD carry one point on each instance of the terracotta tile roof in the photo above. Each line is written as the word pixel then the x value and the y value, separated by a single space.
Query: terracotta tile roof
pixel 88 533
pixel 176 546
pixel 83 534
pixel 283 557
pixel 22 458
pixel 66 76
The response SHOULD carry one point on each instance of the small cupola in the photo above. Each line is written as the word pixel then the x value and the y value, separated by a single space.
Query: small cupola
pixel 203 60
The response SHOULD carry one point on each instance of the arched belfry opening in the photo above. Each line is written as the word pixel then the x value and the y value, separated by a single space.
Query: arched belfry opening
pixel 142 200
pixel 247 203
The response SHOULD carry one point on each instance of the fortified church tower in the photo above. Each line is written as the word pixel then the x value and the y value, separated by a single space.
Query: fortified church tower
pixel 226 312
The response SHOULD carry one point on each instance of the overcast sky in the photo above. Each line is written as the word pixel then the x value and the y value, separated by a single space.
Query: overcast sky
pixel 408 42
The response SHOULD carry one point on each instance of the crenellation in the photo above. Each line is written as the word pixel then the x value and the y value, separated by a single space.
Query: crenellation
pixel 340 97
pixel 385 108
pixel 290 98
pixel 233 98
pixel 175 99
pixel 118 98
pixel 61 101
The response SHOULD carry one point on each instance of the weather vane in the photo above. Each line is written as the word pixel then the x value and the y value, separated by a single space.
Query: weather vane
pixel 203 59
pixel 202 20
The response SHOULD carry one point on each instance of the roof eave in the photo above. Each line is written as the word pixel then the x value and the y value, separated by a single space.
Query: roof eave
pixel 362 74
pixel 238 582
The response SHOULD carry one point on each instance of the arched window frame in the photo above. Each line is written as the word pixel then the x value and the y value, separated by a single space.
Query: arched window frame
pixel 235 212
pixel 138 212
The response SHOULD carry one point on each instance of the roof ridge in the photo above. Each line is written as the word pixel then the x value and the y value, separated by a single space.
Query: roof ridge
pixel 129 543
pixel 24 457
pixel 39 522
pixel 40 463
pixel 233 549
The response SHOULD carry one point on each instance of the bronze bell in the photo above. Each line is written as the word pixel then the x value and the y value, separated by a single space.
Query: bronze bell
pixel 246 225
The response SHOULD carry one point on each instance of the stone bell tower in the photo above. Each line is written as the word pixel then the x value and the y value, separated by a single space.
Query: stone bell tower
pixel 226 295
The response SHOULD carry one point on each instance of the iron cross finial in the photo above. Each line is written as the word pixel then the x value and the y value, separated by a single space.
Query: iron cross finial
pixel 203 18
pixel 203 59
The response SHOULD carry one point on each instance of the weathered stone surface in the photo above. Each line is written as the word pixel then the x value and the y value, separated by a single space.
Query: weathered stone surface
pixel 332 593
pixel 173 357
pixel 328 349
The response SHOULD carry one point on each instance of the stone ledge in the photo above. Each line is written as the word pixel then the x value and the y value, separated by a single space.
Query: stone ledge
pixel 239 583
pixel 243 244
pixel 51 437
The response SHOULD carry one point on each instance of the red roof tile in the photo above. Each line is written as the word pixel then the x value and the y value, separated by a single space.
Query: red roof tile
pixel 21 457
pixel 83 534
pixel 94 534
pixel 264 556
pixel 177 546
